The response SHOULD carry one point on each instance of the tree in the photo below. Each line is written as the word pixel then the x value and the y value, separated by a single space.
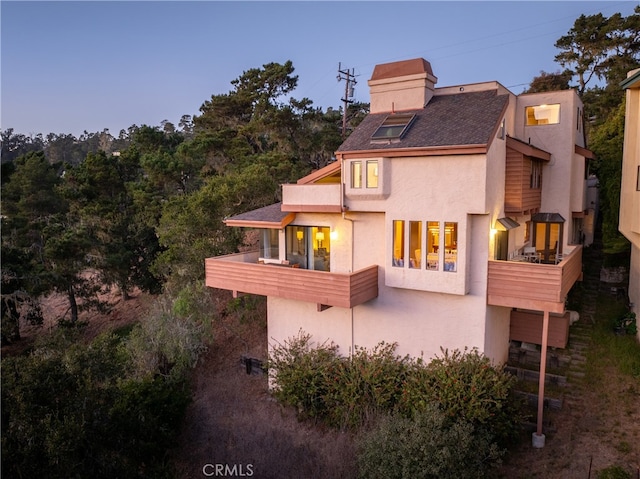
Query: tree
pixel 607 142
pixel 601 47
pixel 123 246
pixel 197 219
pixel 15 145
pixel 38 225
pixel 550 82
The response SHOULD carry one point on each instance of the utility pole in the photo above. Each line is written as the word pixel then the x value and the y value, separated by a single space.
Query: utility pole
pixel 350 77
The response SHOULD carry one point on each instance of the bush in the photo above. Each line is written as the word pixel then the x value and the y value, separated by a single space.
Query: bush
pixel 345 392
pixel 170 340
pixel 428 445
pixel 465 385
pixel 73 410
pixel 303 375
pixel 368 383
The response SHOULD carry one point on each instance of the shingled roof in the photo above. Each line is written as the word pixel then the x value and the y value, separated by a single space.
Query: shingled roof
pixel 270 216
pixel 447 120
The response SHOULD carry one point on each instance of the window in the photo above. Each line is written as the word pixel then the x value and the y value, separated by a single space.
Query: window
pixel 638 180
pixel 393 127
pixel 542 114
pixel 433 244
pixel 441 244
pixel 309 247
pixel 580 120
pixel 415 242
pixel 450 246
pixel 356 174
pixel 535 180
pixel 503 129
pixel 372 173
pixel 398 243
pixel 269 244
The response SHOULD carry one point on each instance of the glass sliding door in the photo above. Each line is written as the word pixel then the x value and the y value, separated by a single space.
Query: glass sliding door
pixel 309 247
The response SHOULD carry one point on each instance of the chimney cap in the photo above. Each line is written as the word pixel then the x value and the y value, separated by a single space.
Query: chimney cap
pixel 402 68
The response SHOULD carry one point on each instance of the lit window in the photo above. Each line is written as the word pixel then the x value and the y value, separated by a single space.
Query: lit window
pixel 415 240
pixel 450 246
pixel 542 114
pixel 393 127
pixel 398 243
pixel 372 173
pixel 433 244
pixel 356 174
pixel 309 247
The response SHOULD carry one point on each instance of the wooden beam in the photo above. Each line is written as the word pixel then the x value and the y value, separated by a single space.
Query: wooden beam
pixel 543 370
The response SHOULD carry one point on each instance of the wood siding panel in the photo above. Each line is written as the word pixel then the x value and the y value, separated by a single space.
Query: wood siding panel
pixel 344 290
pixel 527 327
pixel 519 196
pixel 513 182
pixel 541 287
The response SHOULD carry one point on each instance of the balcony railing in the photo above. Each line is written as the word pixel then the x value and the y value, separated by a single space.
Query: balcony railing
pixel 242 273
pixel 541 287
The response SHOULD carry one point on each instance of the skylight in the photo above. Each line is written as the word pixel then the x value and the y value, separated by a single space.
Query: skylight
pixel 393 127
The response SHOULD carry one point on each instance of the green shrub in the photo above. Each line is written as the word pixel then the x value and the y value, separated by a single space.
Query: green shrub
pixel 304 375
pixel 366 384
pixel 465 385
pixel 344 392
pixel 428 445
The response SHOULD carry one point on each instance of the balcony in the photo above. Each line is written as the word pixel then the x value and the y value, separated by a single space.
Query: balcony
pixel 540 287
pixel 242 273
pixel 318 198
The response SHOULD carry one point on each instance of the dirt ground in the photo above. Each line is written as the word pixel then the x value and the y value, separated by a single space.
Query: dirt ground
pixel 234 423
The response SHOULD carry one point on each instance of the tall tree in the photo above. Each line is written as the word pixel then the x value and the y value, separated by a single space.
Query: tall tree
pixel 99 196
pixel 38 224
pixel 597 46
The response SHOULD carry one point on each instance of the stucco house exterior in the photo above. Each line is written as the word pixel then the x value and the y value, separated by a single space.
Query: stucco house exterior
pixel 453 217
pixel 629 224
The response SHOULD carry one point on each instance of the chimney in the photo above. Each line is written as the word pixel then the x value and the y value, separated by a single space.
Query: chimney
pixel 399 86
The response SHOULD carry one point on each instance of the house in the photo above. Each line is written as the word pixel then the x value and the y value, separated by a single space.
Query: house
pixel 629 224
pixel 453 217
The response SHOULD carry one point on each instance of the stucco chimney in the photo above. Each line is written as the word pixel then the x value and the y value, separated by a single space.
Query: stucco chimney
pixel 404 85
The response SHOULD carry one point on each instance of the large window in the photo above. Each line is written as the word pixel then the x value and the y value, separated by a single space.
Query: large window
pixel 309 247
pixel 542 114
pixel 440 244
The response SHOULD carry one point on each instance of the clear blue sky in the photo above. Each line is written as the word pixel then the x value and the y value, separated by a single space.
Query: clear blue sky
pixel 74 66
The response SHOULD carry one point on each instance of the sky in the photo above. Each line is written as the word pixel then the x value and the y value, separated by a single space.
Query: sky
pixel 67 67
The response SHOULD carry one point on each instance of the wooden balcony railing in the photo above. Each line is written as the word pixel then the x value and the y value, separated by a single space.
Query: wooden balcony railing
pixel 541 287
pixel 242 273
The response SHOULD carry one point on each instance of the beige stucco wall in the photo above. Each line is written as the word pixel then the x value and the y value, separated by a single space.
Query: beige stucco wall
pixel 423 311
pixel 629 224
pixel 566 168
